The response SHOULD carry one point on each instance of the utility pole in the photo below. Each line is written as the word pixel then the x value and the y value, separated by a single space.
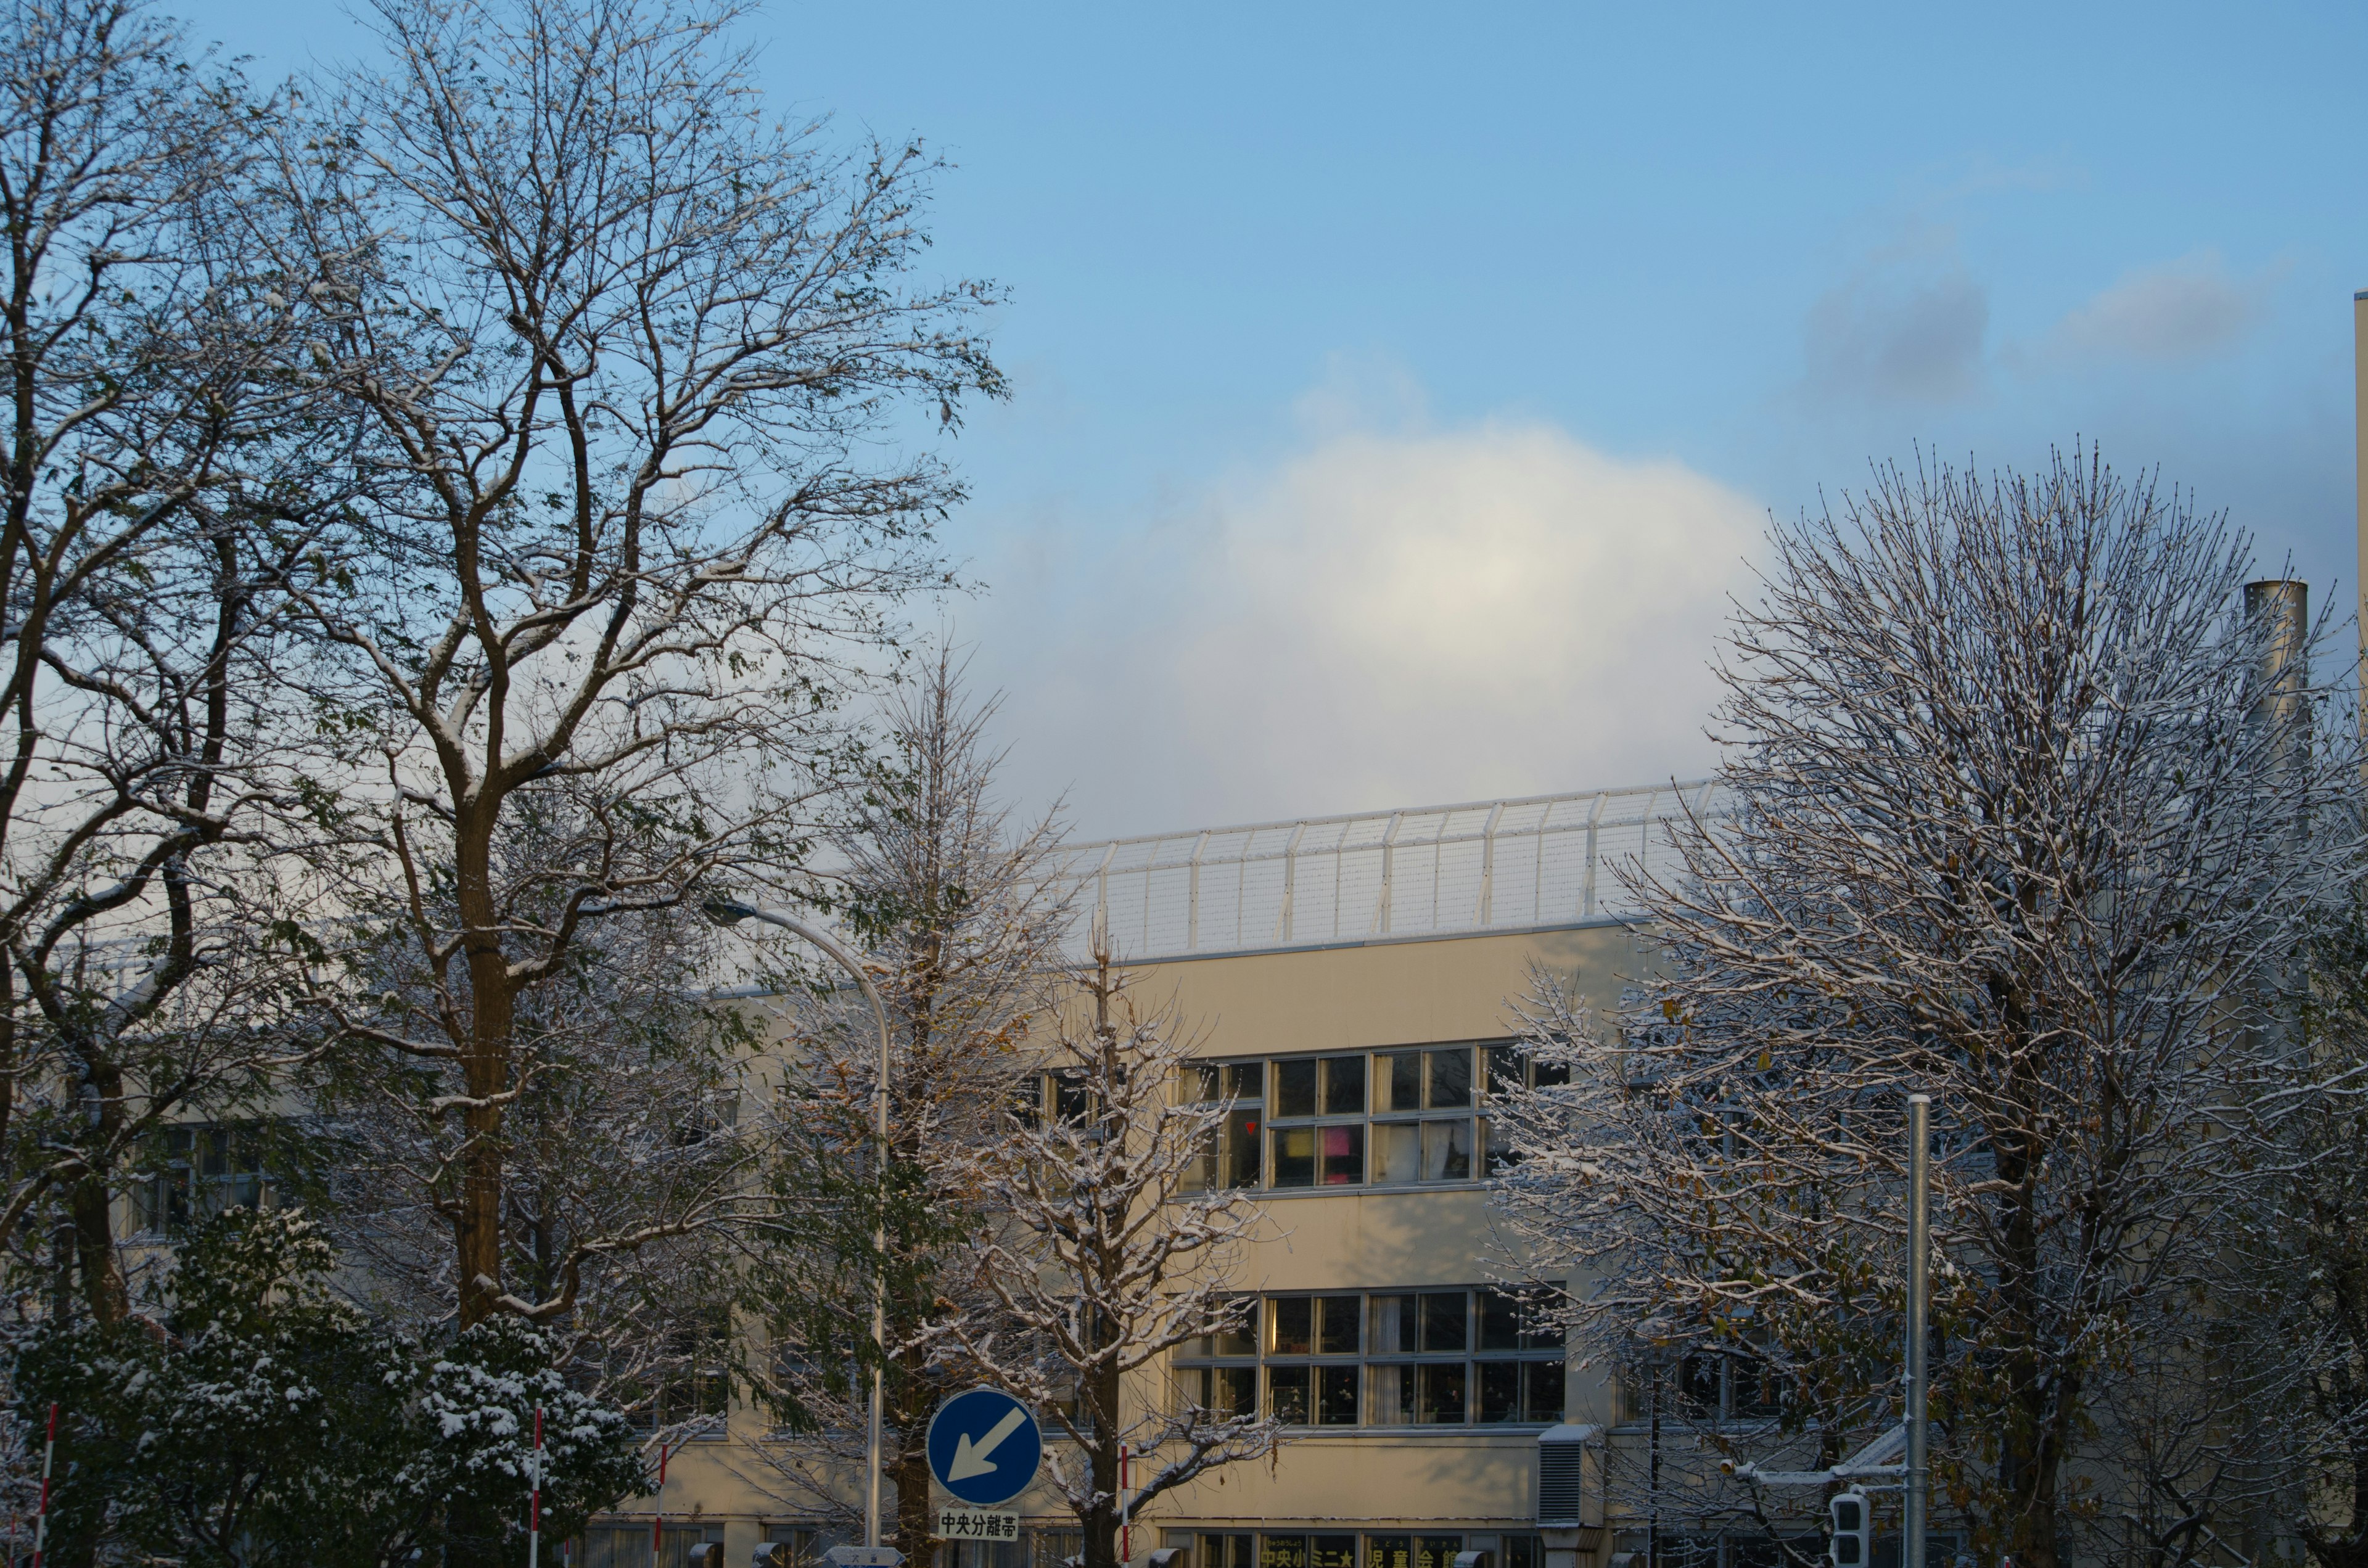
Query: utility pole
pixel 1920 1251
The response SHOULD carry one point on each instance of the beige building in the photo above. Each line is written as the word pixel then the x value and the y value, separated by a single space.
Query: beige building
pixel 1351 980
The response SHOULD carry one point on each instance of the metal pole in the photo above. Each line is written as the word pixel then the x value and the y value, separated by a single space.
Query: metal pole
pixel 1920 1250
pixel 727 912
pixel 534 1499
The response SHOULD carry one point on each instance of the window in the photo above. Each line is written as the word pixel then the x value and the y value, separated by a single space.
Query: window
pixel 1412 1550
pixel 1706 1385
pixel 1416 1115
pixel 1233 1158
pixel 1417 1358
pixel 1307 1551
pixel 628 1545
pixel 1226 1551
pixel 692 1381
pixel 1313 1146
pixel 205 1170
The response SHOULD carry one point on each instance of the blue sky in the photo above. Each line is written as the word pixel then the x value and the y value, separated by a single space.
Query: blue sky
pixel 1396 389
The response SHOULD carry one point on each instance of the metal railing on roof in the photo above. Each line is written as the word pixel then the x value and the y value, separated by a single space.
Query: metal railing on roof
pixel 1487 865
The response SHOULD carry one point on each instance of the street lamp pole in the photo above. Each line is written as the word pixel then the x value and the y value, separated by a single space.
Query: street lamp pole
pixel 726 912
pixel 1920 1286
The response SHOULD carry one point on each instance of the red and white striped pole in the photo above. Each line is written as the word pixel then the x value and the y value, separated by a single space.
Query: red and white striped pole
pixel 41 1519
pixel 534 1498
pixel 1125 1528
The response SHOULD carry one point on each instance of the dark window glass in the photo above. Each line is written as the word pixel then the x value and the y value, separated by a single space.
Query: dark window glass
pixel 1549 1075
pixel 1697 1383
pixel 1294 1157
pixel 1389 1552
pixel 1028 1101
pixel 1226 1551
pixel 1393 1324
pixel 1246 1081
pixel 1398 1081
pixel 1286 1395
pixel 1542 1390
pixel 1284 1551
pixel 1524 1551
pixel 1436 1550
pixel 1242 1338
pixel 1069 1100
pixel 1335 1396
pixel 1203 1081
pixel 1500 1321
pixel 1344 1085
pixel 1294 1088
pixel 1752 1390
pixel 1337 1325
pixel 1332 1552
pixel 1438 1392
pixel 1343 1150
pixel 1231 1391
pixel 1442 1322
pixel 1500 1390
pixel 1447 1150
pixel 1508 1070
pixel 1451 1077
pixel 1238 1163
pixel 1497 1142
pixel 1294 1319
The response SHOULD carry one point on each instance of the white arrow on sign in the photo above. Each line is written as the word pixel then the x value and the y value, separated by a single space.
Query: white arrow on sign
pixel 971 1459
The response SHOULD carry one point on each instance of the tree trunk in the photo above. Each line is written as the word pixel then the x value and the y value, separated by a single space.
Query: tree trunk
pixel 477 1219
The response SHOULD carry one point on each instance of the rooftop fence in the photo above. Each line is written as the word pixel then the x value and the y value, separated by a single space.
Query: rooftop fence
pixel 1432 870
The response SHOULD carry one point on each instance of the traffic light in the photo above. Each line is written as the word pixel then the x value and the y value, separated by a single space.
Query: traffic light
pixel 1853 1533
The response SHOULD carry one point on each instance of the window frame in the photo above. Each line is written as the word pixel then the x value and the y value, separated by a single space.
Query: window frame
pixel 1318 1389
pixel 1455 1138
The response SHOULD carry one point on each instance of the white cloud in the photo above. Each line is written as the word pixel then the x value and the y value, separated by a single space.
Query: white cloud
pixel 1381 619
pixel 2180 309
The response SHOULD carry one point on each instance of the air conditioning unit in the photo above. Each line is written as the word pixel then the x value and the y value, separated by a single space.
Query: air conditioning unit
pixel 1569 1497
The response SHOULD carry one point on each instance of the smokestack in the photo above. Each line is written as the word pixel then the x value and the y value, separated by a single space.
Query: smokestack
pixel 2281 607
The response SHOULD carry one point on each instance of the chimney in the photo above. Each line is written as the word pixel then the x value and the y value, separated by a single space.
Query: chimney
pixel 2281 607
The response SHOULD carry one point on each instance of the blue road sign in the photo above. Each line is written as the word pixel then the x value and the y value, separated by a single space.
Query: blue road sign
pixel 985 1446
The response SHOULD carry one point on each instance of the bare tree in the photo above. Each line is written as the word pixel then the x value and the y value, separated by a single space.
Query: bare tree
pixel 161 503
pixel 626 1152
pixel 2296 1286
pixel 1109 1253
pixel 2003 826
pixel 948 897
pixel 629 357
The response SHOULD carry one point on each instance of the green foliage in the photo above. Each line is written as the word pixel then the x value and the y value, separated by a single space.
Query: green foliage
pixel 265 1421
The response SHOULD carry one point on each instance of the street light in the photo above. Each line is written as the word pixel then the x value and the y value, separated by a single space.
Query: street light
pixel 729 912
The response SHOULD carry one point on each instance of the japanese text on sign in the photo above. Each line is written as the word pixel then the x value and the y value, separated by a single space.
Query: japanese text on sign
pixel 974 1524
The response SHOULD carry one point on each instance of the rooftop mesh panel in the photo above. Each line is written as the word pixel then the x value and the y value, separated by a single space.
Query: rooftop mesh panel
pixel 1492 865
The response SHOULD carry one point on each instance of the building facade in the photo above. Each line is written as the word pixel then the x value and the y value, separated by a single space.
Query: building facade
pixel 1353 982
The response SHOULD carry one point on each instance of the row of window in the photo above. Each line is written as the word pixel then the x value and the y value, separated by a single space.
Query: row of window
pixel 1380 1358
pixel 1294 1550
pixel 1757 1549
pixel 205 1170
pixel 1703 1385
pixel 1392 1118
